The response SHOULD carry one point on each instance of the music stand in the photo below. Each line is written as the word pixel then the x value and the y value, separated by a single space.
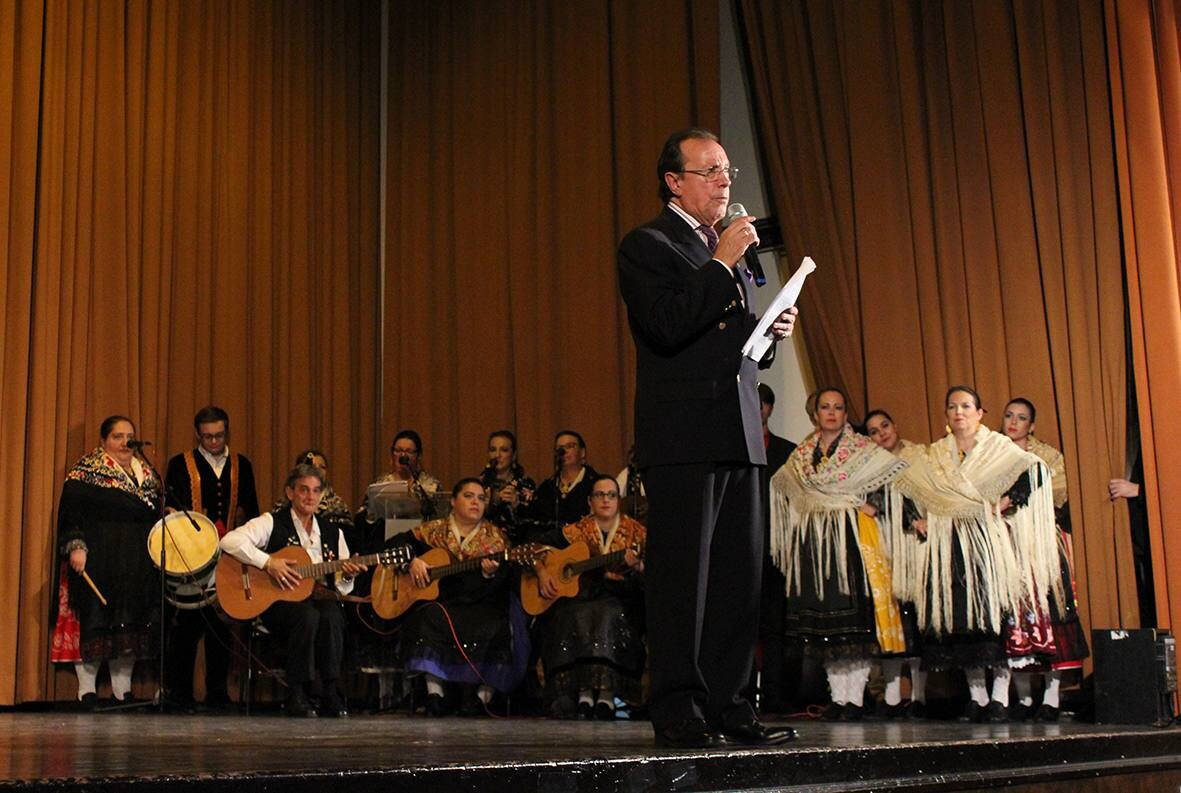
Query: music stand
pixel 401 508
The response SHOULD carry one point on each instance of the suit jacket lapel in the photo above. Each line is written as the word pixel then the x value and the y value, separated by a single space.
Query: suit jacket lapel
pixel 684 239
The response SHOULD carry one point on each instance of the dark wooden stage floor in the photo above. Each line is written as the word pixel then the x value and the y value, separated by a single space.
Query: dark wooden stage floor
pixel 148 752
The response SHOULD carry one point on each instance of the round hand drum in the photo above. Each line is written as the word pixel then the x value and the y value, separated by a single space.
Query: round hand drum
pixel 190 557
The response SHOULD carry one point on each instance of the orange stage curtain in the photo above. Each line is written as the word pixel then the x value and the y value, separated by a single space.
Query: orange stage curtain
pixel 950 168
pixel 523 139
pixel 1144 37
pixel 192 216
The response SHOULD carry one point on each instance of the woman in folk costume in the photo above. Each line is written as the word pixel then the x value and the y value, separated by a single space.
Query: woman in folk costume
pixel 108 592
pixel 478 639
pixel 882 430
pixel 830 501
pixel 1070 643
pixel 976 567
pixel 592 645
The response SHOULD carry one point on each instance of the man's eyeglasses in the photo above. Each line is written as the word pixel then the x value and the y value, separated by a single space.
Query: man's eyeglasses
pixel 213 436
pixel 714 173
pixel 566 446
pixel 606 495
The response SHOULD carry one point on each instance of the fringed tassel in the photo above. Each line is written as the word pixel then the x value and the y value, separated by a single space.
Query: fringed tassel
pixel 1035 537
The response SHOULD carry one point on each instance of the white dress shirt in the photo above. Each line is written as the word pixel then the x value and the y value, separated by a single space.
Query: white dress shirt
pixel 246 544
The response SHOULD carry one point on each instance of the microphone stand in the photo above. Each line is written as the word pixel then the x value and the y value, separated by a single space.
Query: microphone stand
pixel 558 488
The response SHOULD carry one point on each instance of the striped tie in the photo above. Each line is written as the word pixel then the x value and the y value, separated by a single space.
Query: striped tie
pixel 711 236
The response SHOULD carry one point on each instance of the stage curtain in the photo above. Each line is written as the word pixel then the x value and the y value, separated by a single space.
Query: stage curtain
pixel 1145 67
pixel 192 213
pixel 523 139
pixel 950 167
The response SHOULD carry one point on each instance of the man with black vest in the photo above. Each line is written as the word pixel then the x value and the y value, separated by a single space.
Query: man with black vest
pixel 313 630
pixel 220 485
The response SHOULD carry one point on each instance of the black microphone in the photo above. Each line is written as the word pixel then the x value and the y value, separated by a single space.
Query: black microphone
pixel 138 444
pixel 404 460
pixel 751 255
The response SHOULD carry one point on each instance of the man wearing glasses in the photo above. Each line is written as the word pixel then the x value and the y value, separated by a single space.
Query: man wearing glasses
pixel 562 498
pixel 699 445
pixel 212 480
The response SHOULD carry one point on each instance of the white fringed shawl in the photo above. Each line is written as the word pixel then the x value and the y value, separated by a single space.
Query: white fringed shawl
pixel 1005 562
pixel 816 506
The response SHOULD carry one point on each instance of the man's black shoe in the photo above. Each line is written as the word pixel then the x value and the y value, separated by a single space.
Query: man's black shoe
pixel 332 704
pixel 755 733
pixel 297 703
pixel 689 734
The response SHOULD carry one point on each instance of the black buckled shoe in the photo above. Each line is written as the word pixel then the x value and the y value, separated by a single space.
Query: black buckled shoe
pixel 689 734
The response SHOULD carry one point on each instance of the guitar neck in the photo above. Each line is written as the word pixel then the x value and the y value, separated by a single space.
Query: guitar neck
pixel 604 560
pixel 324 568
pixel 467 565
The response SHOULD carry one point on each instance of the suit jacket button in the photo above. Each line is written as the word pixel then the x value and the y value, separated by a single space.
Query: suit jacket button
pixel 721 326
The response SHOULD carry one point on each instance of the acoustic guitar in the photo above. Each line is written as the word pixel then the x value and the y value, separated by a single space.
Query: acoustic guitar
pixel 245 591
pixel 394 592
pixel 565 566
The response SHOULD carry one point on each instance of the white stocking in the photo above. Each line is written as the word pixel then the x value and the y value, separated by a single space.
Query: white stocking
pixel 87 673
pixel 1023 681
pixel 836 682
pixel 918 681
pixel 858 676
pixel 977 687
pixel 121 669
pixel 892 675
pixel 1053 681
pixel 1001 675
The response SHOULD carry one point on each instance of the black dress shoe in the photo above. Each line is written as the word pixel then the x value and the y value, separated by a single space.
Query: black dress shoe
pixel 434 705
pixel 689 734
pixel 604 711
pixel 915 710
pixel 298 705
pixel 1046 713
pixel 88 703
pixel 852 712
pixel 995 713
pixel 755 733
pixel 833 712
pixel 586 710
pixel 333 705
pixel 973 712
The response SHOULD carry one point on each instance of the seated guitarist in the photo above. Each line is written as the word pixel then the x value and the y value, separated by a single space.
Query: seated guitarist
pixel 474 634
pixel 592 645
pixel 313 629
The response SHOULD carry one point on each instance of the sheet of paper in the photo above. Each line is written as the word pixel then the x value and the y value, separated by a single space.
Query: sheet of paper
pixel 760 340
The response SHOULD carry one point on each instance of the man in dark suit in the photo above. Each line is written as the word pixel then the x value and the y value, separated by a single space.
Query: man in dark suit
pixel 774 598
pixel 699 444
pixel 219 484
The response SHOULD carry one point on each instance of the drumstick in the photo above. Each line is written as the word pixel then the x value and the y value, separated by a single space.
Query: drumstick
pixel 97 594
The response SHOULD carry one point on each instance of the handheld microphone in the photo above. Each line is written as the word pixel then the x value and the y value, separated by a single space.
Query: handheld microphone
pixel 138 444
pixel 751 255
pixel 404 460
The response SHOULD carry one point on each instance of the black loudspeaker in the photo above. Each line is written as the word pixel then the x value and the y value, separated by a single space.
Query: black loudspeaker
pixel 1135 676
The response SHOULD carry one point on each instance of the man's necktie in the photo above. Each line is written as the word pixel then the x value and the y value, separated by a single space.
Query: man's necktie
pixel 711 241
pixel 711 236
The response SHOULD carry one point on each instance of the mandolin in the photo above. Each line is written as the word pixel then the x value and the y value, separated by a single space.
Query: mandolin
pixel 245 591
pixel 394 592
pixel 565 566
